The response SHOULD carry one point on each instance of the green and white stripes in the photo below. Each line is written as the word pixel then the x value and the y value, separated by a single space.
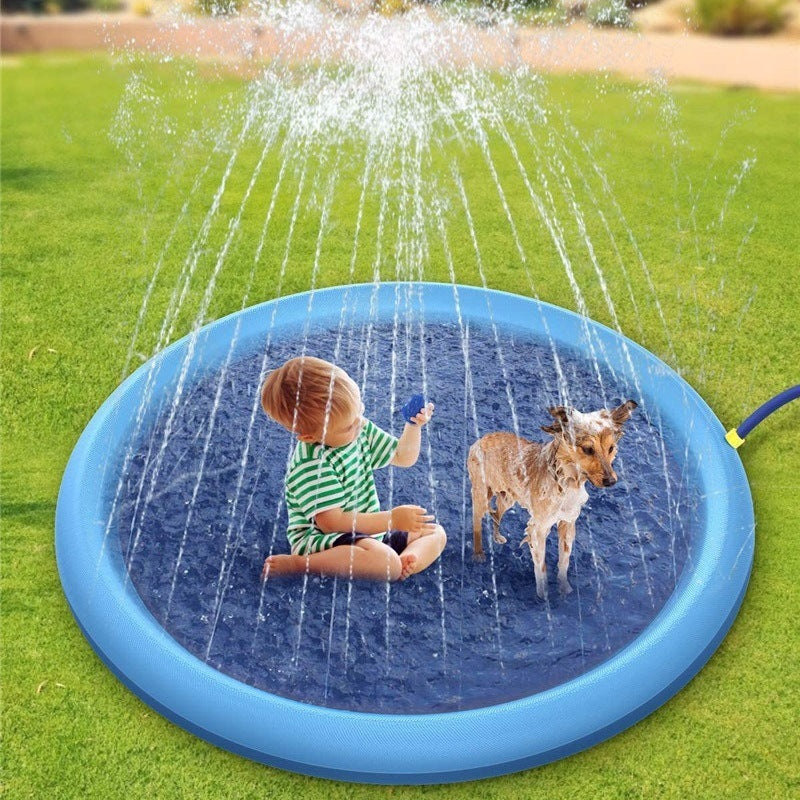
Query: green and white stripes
pixel 321 477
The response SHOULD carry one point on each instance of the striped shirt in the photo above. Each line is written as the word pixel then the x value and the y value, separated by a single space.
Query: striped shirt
pixel 321 477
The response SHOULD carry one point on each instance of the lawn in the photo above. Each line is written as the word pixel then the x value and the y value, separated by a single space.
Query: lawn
pixel 708 182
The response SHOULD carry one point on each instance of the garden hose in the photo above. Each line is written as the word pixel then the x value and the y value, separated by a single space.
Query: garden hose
pixel 736 436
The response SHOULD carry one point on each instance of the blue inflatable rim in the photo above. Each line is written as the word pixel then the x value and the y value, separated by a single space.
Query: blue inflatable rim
pixel 425 748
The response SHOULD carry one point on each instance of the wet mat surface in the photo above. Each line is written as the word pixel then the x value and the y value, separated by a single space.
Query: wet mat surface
pixel 460 635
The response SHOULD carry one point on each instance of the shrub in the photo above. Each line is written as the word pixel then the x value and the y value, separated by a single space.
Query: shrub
pixel 216 8
pixel 391 7
pixel 56 6
pixel 516 5
pixel 738 17
pixel 609 13
pixel 105 5
pixel 39 6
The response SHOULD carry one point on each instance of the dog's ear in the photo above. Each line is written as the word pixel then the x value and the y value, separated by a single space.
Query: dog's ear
pixel 561 416
pixel 621 413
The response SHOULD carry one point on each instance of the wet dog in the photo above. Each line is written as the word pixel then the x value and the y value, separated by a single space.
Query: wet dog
pixel 548 480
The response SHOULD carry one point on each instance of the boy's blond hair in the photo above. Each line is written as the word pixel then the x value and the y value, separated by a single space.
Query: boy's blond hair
pixel 300 393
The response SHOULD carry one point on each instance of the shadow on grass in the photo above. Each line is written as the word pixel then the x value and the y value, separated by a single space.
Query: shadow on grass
pixel 41 512
pixel 26 178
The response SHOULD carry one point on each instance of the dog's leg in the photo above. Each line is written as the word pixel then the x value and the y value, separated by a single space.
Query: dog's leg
pixel 502 505
pixel 566 536
pixel 480 505
pixel 536 536
pixel 478 512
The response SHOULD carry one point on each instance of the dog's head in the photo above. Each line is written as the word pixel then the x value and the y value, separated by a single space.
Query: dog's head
pixel 591 439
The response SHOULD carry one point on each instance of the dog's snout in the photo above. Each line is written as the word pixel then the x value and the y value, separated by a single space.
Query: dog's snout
pixel 609 480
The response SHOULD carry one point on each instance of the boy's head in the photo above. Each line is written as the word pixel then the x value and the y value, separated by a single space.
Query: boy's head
pixel 315 400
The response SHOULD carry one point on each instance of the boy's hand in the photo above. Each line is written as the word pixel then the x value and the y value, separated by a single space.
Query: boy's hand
pixel 413 519
pixel 424 415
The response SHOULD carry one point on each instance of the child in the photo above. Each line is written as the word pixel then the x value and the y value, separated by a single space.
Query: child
pixel 336 526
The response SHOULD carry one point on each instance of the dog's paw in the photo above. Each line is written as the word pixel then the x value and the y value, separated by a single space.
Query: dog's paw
pixel 541 592
pixel 564 587
pixel 479 557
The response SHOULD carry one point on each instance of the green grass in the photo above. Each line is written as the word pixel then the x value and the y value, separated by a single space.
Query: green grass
pixel 83 224
pixel 540 12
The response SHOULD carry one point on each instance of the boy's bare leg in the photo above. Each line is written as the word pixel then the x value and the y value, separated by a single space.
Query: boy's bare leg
pixel 367 558
pixel 422 550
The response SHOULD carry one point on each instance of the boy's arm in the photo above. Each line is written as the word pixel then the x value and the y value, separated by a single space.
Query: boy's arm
pixel 335 519
pixel 413 519
pixel 408 445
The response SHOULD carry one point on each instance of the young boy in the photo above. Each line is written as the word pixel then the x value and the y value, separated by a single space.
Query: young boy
pixel 335 525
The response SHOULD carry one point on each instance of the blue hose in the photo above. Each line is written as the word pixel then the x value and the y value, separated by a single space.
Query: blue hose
pixel 735 436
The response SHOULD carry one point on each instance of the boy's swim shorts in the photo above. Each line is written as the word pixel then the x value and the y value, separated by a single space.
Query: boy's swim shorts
pixel 397 540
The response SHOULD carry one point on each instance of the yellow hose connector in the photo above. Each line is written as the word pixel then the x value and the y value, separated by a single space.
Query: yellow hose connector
pixel 733 438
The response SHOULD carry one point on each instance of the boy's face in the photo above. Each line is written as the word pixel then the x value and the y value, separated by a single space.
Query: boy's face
pixel 340 430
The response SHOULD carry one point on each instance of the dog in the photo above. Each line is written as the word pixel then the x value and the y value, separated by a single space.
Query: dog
pixel 548 480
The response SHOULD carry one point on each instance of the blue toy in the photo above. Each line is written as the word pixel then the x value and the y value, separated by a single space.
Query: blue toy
pixel 413 407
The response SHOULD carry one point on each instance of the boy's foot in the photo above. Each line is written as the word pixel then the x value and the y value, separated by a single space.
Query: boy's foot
pixel 408 563
pixel 282 564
